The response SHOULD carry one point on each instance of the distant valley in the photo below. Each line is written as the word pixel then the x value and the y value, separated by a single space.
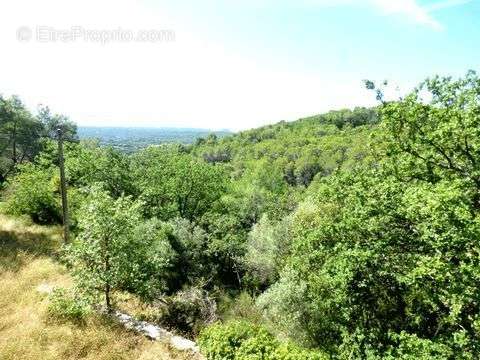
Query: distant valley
pixel 130 139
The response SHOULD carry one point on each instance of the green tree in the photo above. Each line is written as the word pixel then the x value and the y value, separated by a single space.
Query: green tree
pixel 115 251
pixel 386 258
pixel 88 163
pixel 20 134
pixel 438 139
pixel 267 246
pixel 53 122
pixel 173 183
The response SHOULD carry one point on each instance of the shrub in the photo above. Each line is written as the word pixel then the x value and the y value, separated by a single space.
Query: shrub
pixel 286 305
pixel 409 346
pixel 65 305
pixel 290 351
pixel 189 311
pixel 261 252
pixel 221 342
pixel 190 241
pixel 32 193
pixel 267 247
pixel 176 184
pixel 242 306
pixel 245 341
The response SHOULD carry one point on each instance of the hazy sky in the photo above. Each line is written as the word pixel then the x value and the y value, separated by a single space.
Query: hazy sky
pixel 233 64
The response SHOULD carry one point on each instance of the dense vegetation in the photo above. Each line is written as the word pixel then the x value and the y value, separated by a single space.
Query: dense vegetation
pixel 352 234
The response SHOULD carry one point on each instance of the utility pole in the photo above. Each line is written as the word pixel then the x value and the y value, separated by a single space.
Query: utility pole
pixel 63 186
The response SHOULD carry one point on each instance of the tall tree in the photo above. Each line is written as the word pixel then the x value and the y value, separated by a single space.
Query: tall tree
pixel 52 122
pixel 20 134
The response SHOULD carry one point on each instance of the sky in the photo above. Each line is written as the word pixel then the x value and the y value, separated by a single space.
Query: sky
pixel 232 64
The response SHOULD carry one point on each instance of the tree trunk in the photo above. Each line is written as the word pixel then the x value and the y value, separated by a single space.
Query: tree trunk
pixel 63 185
pixel 107 298
pixel 107 282
pixel 14 144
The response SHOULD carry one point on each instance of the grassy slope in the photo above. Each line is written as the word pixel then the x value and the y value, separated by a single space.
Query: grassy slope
pixel 26 332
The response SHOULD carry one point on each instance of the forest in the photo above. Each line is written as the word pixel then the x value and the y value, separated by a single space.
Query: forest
pixel 352 234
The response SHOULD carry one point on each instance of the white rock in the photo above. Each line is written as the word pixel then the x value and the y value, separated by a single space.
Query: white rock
pixel 44 288
pixel 156 333
pixel 183 344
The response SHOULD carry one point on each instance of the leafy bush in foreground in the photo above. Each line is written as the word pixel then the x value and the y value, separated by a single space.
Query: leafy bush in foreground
pixel 246 341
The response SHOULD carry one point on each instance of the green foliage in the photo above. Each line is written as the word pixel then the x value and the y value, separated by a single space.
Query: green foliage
pixel 285 304
pixel 239 307
pixel 189 311
pixel 268 245
pixel 290 351
pixel 219 343
pixel 407 346
pixel 294 153
pixel 366 248
pixel 245 341
pixel 173 184
pixel 191 243
pixel 87 163
pixel 34 192
pixel 436 140
pixel 52 123
pixel 385 259
pixel 153 261
pixel 20 135
pixel 65 305
pixel 23 135
pixel 226 247
pixel 115 250
pixel 374 257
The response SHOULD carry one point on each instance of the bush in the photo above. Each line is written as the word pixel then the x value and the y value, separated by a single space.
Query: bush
pixel 286 305
pixel 240 307
pixel 32 193
pixel 261 252
pixel 221 342
pixel 289 351
pixel 65 305
pixel 409 346
pixel 245 341
pixel 189 311
pixel 267 247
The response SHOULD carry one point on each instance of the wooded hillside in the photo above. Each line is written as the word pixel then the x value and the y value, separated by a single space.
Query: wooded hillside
pixel 348 235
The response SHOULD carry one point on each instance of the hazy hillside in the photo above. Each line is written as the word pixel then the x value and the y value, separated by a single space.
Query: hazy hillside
pixel 130 139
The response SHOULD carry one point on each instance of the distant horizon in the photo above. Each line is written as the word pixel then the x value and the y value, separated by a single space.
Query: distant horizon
pixel 233 130
pixel 152 127
pixel 215 66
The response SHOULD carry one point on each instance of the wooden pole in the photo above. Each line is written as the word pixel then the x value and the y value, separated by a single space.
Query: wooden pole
pixel 63 185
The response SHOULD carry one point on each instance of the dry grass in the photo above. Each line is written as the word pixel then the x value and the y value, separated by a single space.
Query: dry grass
pixel 27 260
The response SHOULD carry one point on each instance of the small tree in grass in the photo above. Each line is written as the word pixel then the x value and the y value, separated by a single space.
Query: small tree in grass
pixel 111 253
